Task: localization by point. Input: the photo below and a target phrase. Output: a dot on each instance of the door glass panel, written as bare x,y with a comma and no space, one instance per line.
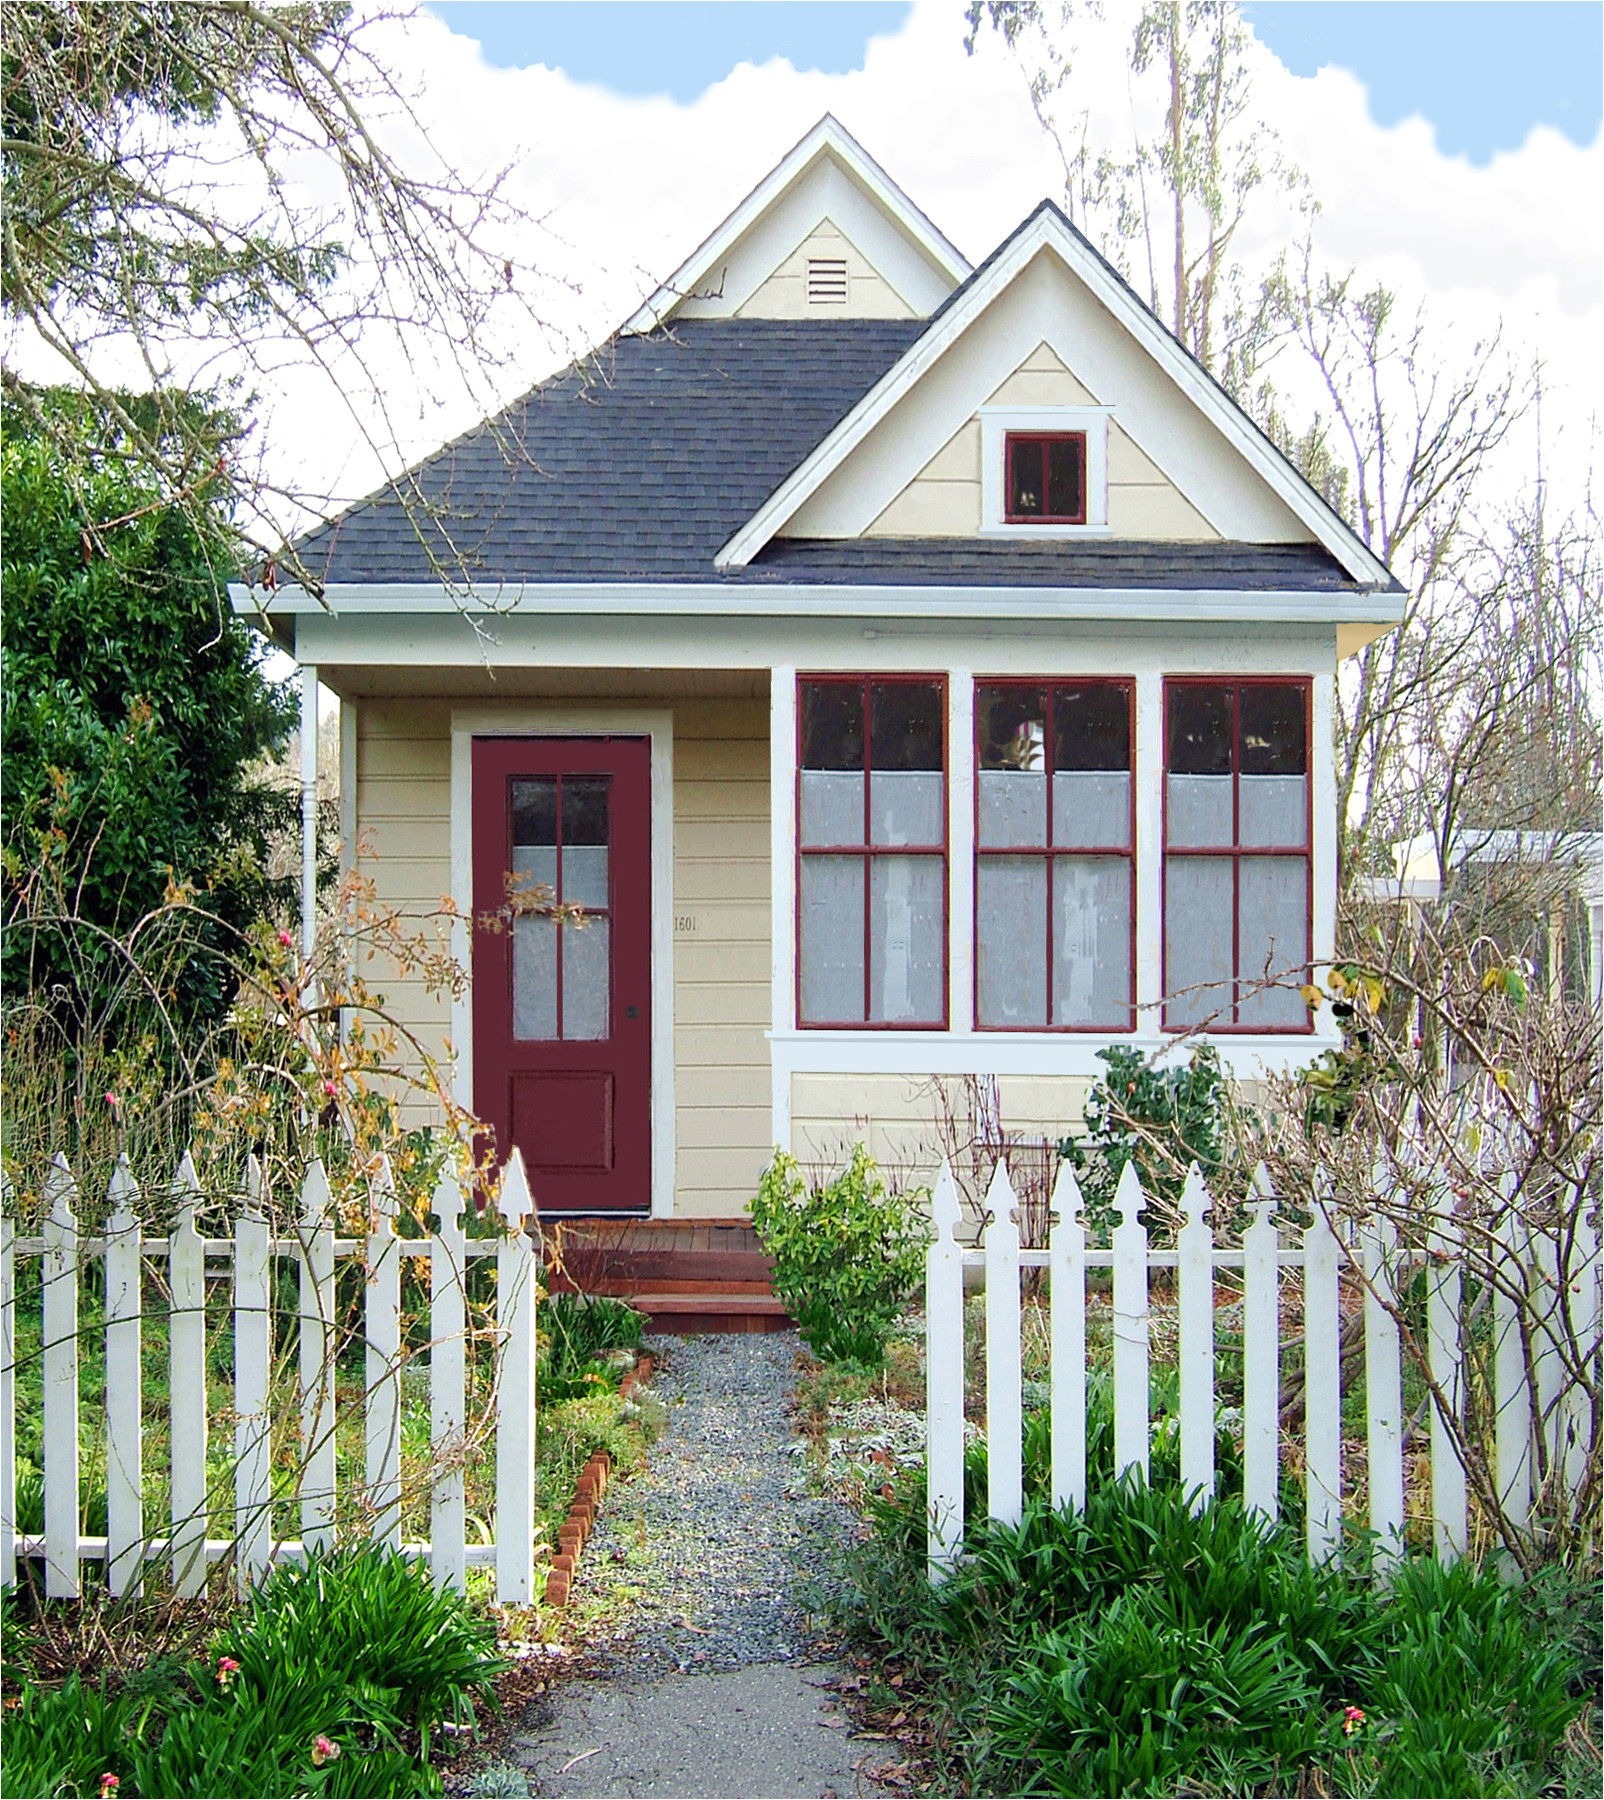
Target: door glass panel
534,978
1011,940
534,836
907,929
1274,939
585,840
535,865
832,940
1092,941
1197,939
587,979
1010,731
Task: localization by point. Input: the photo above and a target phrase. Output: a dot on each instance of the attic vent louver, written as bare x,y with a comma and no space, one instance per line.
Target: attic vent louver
827,281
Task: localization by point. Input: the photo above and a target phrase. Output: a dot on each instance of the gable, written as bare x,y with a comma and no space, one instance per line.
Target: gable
830,193
1045,341
826,277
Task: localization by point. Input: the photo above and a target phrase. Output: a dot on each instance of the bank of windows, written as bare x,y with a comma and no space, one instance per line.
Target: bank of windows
1054,840
1236,854
1054,875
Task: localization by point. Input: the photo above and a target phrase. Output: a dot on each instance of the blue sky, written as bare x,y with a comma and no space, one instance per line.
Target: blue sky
1482,72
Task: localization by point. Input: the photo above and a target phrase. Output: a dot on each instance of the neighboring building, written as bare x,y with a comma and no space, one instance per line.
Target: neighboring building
915,669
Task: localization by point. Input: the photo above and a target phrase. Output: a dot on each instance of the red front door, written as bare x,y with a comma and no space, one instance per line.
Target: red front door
562,1024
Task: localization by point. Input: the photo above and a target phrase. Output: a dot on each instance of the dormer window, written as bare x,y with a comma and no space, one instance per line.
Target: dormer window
1045,483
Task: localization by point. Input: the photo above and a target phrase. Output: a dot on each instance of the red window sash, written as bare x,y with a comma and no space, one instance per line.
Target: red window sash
1017,442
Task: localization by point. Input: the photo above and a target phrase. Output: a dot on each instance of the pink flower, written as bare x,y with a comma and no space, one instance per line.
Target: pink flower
109,1785
330,1087
285,939
324,1750
113,1099
1353,1719
227,1669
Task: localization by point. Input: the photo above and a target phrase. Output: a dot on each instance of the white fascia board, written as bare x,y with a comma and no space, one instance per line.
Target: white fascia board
828,134
1047,232
822,600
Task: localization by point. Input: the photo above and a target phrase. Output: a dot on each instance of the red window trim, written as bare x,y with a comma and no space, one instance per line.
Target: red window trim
1236,850
1050,850
1041,439
867,851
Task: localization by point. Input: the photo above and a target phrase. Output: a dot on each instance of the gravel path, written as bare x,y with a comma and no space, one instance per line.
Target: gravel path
702,1555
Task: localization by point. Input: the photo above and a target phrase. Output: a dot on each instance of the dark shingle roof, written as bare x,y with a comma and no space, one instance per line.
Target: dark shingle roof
1111,563
636,466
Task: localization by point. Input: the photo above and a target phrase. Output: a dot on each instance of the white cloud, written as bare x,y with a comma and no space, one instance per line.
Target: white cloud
628,186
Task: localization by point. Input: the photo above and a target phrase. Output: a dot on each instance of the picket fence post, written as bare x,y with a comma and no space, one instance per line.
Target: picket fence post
1066,1256
944,1369
253,1419
382,1329
59,1357
1130,1327
1444,1292
317,1349
125,1469
186,1349
1194,1305
1581,1300
1261,1350
1005,1491
448,1368
1383,1389
1322,1387
8,1411
515,1422
1512,1400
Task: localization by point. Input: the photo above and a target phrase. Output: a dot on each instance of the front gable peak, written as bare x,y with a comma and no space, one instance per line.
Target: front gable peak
827,234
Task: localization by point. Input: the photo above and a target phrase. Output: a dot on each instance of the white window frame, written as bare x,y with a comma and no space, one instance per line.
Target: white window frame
995,424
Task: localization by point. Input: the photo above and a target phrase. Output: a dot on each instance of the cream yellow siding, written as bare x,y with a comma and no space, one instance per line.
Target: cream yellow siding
944,498
784,294
721,914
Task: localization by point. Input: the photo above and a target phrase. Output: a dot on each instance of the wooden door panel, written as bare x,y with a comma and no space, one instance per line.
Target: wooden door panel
562,1002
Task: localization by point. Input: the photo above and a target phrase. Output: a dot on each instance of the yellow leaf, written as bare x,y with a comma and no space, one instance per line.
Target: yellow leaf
1312,996
1501,1076
1491,979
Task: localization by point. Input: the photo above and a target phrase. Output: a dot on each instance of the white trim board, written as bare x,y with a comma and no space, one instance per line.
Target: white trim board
829,138
1047,232
534,719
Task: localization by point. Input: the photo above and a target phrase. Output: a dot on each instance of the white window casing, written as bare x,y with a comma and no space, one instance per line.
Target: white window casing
995,424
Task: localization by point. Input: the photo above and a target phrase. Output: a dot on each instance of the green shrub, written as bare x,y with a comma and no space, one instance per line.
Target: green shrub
62,1740
847,1255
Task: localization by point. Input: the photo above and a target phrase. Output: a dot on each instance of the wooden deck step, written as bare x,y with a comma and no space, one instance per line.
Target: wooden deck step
714,1312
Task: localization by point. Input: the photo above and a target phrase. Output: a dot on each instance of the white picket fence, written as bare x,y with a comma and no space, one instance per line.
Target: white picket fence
129,1545
1562,1412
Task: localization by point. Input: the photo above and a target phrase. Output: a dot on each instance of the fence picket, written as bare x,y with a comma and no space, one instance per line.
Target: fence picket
1130,1327
1005,1490
8,1410
186,1347
125,1472
382,1330
253,1493
515,1422
1444,1293
317,1349
944,1365
1066,1256
1322,1388
448,1371
1512,1407
1194,1306
1581,1300
1261,1350
59,1357
1546,1309
1383,1390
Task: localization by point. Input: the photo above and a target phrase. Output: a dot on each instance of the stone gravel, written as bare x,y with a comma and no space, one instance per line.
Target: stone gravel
704,1561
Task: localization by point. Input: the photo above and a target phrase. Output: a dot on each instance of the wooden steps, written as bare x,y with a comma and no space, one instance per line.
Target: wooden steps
689,1275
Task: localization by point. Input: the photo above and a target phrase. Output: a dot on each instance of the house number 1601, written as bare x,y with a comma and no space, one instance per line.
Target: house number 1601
684,922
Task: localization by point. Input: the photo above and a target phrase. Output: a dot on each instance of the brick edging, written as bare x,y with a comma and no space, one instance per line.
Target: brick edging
593,1482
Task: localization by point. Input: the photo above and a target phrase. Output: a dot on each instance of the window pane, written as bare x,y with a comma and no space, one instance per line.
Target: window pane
1199,810
1024,476
587,979
1275,809
1199,729
1010,734
534,978
907,932
535,864
1197,939
1092,726
534,810
1091,809
1066,469
1092,941
832,940
831,734
1274,938
905,807
832,806
906,725
1274,729
1011,940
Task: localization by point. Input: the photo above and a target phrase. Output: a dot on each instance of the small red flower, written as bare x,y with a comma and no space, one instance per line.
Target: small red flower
285,939
227,1669
109,1785
113,1099
1353,1719
330,1087
324,1750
